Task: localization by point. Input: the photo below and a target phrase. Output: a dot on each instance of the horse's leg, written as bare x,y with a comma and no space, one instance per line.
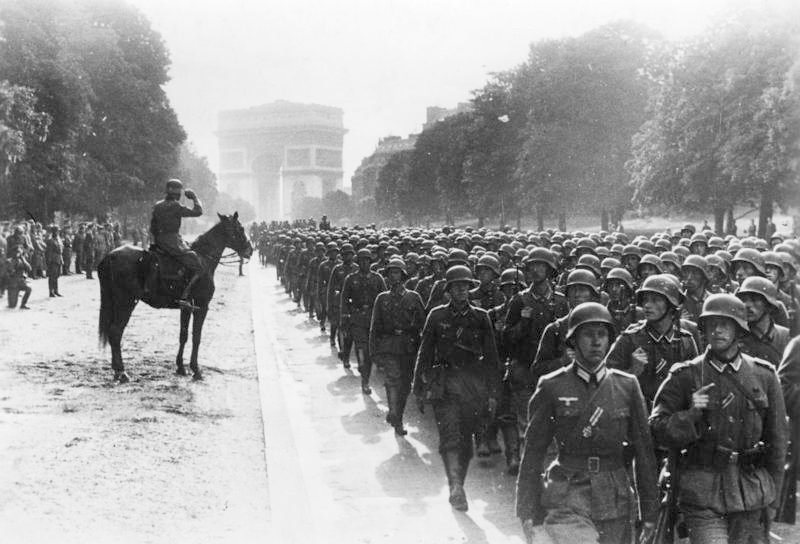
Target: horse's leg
197,330
123,313
186,314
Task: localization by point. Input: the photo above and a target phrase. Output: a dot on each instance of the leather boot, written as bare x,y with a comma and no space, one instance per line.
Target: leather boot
452,466
396,405
483,445
491,438
390,401
400,408
465,455
511,440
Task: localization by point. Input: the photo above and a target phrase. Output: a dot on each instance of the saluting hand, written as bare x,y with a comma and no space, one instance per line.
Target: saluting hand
190,194
700,398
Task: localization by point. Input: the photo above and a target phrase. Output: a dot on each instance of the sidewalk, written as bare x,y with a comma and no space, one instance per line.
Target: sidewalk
337,471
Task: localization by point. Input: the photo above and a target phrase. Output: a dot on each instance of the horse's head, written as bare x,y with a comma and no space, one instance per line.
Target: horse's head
235,238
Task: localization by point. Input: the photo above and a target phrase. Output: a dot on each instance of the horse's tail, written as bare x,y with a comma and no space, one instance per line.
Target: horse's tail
106,299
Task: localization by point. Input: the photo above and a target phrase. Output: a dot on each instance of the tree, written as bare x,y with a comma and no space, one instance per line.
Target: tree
336,205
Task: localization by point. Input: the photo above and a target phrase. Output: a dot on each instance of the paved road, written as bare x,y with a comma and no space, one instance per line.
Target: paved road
337,471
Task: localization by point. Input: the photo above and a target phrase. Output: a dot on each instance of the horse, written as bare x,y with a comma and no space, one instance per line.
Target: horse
126,276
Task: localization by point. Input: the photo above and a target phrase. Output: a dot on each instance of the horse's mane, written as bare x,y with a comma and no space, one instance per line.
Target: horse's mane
203,239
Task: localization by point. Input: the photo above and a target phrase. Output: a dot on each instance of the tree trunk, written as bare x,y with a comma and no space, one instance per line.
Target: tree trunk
603,219
731,226
719,220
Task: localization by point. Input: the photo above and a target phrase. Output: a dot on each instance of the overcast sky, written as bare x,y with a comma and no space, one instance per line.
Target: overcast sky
382,61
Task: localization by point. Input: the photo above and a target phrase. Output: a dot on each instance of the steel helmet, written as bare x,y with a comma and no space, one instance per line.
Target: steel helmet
788,261
487,261
652,260
542,255
681,251
457,256
424,259
697,261
751,256
591,263
602,252
622,275
458,273
347,248
698,238
439,256
647,247
610,262
665,285
759,286
331,247
724,305
397,262
617,249
761,245
715,261
582,277
715,242
521,254
364,253
663,244
412,257
590,312
508,249
773,258
783,248
586,244
512,276
670,257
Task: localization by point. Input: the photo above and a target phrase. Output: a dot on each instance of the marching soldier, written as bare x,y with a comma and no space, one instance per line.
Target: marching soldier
622,303
457,369
765,339
312,277
649,348
585,495
438,264
359,291
397,319
334,296
724,412
695,280
323,273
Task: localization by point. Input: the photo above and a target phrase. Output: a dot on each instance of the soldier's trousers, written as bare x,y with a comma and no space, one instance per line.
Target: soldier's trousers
53,272
709,527
67,257
322,310
360,339
78,262
566,526
462,410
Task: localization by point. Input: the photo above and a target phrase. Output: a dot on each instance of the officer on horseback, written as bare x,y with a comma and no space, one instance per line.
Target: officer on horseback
165,226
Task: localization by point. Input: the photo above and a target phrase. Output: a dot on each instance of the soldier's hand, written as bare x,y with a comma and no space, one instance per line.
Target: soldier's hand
190,194
526,312
421,405
700,398
648,527
640,355
529,529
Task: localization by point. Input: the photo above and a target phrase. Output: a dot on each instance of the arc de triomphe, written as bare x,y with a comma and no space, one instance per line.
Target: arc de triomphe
268,153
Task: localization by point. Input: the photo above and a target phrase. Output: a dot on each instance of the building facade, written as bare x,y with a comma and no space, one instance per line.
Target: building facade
275,154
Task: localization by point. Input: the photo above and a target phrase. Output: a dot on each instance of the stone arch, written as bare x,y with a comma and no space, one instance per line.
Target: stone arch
266,169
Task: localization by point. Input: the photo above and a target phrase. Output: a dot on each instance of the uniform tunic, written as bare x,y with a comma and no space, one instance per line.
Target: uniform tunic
462,342
587,487
397,320
768,346
334,296
358,297
713,483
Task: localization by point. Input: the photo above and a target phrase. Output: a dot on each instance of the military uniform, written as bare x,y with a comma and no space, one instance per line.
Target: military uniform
487,296
732,467
438,295
66,253
768,346
586,494
77,249
425,285
624,315
165,226
334,296
693,306
323,277
311,286
88,252
358,297
55,262
457,365
398,316
678,344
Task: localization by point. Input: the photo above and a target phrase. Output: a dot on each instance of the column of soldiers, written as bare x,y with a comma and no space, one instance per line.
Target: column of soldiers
29,251
613,361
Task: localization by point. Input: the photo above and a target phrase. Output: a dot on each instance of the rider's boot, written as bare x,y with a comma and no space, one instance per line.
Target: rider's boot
184,301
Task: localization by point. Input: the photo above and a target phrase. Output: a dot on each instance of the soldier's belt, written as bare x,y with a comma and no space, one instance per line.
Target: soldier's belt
721,457
592,464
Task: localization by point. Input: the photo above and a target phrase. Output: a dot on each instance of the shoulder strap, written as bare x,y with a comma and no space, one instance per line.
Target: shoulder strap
738,385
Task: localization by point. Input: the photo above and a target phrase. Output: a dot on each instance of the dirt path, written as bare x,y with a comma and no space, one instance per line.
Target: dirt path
162,459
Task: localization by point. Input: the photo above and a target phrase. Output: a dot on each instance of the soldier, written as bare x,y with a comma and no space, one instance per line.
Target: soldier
695,280
487,295
724,412
165,226
77,248
553,352
312,278
439,294
88,250
54,261
529,313
37,256
586,494
334,296
323,277
66,250
359,291
622,303
18,271
397,319
649,348
438,265
765,340
457,369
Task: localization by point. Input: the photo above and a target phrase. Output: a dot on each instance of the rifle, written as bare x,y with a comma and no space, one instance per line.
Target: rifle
664,532
787,507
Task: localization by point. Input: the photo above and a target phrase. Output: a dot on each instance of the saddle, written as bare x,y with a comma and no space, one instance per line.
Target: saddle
163,277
